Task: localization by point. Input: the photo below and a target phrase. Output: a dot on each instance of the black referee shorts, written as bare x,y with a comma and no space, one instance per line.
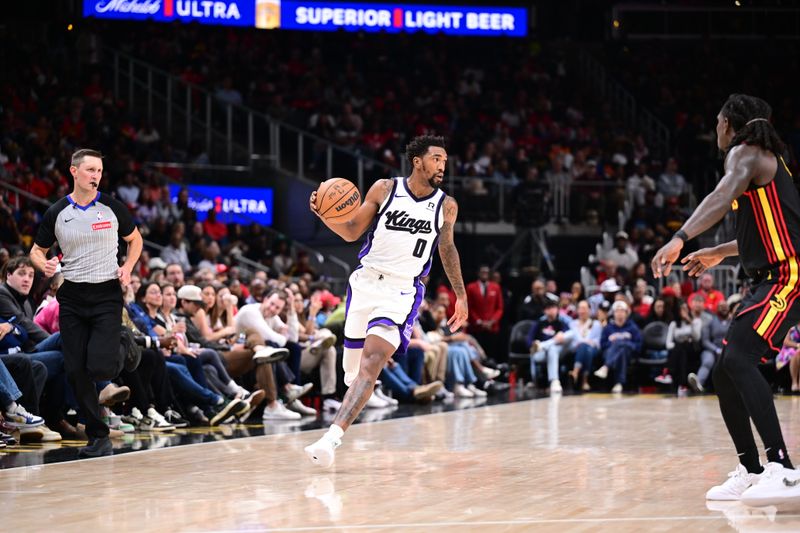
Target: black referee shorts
90,320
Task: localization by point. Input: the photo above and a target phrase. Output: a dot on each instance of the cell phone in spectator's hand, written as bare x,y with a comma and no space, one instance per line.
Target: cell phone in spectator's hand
446,330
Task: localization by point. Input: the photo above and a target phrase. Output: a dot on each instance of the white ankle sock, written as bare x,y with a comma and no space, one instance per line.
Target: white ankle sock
335,431
11,408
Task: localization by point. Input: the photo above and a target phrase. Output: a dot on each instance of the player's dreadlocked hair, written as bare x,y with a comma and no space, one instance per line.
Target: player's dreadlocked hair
418,146
749,117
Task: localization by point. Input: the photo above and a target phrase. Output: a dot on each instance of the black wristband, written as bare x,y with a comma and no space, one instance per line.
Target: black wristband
681,235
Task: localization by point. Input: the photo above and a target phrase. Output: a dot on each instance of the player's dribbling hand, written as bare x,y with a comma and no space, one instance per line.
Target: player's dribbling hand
312,203
459,316
50,267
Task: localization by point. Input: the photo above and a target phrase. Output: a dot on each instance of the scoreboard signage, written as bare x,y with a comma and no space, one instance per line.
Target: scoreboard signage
322,16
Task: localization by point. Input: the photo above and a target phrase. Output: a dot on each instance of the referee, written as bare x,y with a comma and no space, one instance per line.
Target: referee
87,225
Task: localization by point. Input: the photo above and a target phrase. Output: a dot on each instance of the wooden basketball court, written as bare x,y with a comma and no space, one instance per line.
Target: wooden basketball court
578,463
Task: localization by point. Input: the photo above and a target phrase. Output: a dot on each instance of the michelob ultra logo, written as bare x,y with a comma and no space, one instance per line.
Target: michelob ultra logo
243,205
227,12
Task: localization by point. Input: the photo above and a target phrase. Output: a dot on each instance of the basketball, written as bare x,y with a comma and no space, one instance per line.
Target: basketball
337,199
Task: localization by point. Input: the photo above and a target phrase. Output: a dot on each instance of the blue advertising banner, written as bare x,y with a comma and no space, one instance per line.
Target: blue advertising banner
322,16
396,18
222,12
244,205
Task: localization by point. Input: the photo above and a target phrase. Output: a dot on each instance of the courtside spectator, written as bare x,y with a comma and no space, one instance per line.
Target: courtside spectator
620,342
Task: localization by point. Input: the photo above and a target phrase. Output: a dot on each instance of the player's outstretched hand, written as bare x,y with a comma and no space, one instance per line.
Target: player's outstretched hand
312,203
665,257
696,263
459,317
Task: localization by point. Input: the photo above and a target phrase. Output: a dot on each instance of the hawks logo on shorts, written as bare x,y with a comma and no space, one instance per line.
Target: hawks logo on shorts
778,303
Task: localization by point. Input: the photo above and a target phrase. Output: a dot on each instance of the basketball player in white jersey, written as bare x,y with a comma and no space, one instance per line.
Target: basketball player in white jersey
408,218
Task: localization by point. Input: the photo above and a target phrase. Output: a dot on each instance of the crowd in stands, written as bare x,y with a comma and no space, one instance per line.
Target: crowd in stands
524,127
627,337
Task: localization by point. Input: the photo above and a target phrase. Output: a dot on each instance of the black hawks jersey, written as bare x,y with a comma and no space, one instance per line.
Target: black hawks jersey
768,222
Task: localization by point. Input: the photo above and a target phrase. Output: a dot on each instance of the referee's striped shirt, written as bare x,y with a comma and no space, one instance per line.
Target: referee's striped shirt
88,236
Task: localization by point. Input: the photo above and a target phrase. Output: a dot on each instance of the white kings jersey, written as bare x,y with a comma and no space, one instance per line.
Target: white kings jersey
405,233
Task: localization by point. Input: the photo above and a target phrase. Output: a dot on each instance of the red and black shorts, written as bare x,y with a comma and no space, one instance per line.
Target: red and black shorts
772,307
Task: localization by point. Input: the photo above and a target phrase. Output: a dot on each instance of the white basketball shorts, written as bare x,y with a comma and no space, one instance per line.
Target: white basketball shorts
377,303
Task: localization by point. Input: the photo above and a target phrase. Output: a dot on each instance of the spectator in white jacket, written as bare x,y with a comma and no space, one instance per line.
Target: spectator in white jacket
622,253
264,319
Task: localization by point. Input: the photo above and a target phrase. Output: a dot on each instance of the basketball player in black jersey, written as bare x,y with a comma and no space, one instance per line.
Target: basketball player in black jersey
759,188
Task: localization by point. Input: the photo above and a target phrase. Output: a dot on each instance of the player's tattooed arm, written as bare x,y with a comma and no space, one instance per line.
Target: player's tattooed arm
447,248
452,263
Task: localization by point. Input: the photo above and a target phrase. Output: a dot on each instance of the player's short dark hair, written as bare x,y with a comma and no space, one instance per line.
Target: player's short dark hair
15,263
419,145
742,110
78,155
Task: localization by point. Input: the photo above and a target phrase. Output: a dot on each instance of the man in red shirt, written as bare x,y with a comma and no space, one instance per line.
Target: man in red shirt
709,293
215,229
485,303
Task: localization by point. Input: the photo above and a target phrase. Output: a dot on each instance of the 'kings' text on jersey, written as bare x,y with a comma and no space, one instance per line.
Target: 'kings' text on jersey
405,233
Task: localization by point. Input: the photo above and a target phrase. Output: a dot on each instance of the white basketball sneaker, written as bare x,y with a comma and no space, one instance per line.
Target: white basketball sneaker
776,485
738,481
323,452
